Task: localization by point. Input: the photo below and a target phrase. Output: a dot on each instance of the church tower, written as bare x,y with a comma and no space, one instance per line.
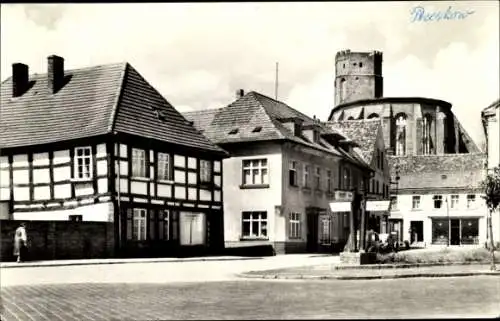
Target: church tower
358,75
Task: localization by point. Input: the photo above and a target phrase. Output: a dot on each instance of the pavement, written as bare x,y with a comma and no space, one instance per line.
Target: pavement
221,268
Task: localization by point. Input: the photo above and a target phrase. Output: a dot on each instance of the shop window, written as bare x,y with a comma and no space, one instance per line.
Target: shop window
469,231
440,231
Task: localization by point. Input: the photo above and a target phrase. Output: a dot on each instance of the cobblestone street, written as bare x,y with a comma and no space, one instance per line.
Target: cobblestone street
442,297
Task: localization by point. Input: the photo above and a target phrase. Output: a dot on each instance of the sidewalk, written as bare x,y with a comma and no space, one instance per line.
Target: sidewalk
122,261
335,272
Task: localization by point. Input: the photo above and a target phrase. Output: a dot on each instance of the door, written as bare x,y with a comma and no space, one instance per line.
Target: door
193,228
312,232
417,231
454,232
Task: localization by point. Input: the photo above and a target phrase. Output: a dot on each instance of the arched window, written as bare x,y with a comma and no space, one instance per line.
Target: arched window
426,134
343,89
373,115
400,134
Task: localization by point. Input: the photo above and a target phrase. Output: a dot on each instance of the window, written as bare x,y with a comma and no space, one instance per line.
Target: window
438,201
317,178
255,172
164,171
416,202
306,175
426,134
440,231
138,162
205,171
360,64
454,201
377,190
292,173
139,226
470,231
378,159
343,89
233,131
295,226
83,162
347,179
471,200
394,203
400,134
329,186
254,225
382,160
372,116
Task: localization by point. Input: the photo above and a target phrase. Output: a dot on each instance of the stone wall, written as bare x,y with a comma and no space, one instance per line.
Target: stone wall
51,240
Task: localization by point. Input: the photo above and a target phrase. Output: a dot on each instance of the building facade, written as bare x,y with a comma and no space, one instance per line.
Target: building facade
431,156
284,171
101,144
491,120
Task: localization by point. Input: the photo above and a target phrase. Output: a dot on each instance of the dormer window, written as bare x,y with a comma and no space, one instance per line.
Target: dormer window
161,114
233,131
257,129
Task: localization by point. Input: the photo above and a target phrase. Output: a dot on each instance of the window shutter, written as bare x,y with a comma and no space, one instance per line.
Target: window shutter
129,223
152,225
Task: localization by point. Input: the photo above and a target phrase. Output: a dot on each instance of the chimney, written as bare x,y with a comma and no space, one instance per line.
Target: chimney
20,79
55,73
240,93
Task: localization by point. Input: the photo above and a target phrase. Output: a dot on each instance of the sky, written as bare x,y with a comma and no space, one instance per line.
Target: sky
198,54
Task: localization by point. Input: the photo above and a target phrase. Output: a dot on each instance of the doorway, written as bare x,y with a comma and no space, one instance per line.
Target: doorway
417,231
312,232
455,232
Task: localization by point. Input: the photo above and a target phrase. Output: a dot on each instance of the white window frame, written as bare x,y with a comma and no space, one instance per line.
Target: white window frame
471,201
205,171
295,226
83,174
292,167
139,163
306,175
164,167
261,168
454,201
415,200
140,225
260,220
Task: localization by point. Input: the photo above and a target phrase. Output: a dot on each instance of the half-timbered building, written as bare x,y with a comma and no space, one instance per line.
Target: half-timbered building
101,144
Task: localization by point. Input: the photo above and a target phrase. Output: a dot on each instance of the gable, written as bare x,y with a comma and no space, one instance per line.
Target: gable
144,112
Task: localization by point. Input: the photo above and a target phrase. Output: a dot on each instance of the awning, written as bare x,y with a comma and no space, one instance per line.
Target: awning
377,206
340,207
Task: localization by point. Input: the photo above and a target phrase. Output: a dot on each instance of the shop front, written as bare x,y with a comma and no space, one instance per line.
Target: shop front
455,231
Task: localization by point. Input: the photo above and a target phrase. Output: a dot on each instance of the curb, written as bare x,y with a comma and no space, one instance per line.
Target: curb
13,265
370,277
404,266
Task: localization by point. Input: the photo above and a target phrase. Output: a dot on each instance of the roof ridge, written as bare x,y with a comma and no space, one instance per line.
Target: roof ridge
281,102
114,111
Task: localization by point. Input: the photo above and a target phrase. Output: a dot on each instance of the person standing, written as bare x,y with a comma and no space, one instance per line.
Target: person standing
20,242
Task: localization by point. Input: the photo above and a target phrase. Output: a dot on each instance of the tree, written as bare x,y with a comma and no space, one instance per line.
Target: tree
491,188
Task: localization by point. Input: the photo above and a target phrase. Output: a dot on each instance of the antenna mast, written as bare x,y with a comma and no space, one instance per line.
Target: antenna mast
276,84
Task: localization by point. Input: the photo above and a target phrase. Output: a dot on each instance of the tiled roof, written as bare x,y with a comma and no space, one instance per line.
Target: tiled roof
363,132
425,171
238,122
95,101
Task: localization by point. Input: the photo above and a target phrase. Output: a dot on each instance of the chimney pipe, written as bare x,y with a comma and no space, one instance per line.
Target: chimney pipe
55,73
240,93
20,79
